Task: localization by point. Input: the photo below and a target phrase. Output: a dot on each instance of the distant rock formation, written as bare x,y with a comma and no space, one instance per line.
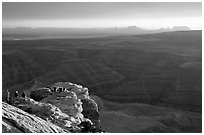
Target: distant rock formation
180,28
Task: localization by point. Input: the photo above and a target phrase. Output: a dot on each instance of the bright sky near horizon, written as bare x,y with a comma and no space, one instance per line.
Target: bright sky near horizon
102,14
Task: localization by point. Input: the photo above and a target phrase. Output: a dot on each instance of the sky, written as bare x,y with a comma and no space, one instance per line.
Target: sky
102,14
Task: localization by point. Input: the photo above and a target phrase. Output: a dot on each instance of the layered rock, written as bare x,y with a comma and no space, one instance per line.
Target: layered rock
149,90
47,112
16,120
72,98
7,127
62,107
67,102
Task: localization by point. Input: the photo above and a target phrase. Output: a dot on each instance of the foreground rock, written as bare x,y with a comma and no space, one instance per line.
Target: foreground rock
71,99
61,105
47,112
15,121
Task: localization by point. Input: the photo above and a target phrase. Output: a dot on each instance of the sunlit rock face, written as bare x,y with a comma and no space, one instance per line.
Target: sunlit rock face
46,111
71,99
67,102
15,120
74,101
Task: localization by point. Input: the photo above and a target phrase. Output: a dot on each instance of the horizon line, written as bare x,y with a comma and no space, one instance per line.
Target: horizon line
143,28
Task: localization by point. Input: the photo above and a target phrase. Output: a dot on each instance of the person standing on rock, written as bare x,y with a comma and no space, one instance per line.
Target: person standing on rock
24,94
60,89
54,89
63,89
8,97
57,89
16,94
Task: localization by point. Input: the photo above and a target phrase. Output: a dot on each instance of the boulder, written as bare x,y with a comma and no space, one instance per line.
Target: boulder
89,104
90,110
40,93
16,120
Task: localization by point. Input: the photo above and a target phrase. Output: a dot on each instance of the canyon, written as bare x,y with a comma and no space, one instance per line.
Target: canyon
156,71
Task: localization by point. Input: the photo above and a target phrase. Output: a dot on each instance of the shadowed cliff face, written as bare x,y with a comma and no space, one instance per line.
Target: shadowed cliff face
159,69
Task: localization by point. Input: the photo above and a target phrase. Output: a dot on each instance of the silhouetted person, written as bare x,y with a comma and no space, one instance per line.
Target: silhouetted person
57,89
63,89
54,89
24,95
60,89
16,94
8,97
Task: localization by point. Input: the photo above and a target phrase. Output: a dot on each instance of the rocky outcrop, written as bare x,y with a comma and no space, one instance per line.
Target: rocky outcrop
16,120
62,109
61,104
40,93
47,112
71,99
75,101
67,102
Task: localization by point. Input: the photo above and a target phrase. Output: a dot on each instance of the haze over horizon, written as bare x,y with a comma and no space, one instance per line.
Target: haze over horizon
149,15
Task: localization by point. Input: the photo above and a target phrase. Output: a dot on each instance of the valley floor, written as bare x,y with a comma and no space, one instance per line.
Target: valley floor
144,118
